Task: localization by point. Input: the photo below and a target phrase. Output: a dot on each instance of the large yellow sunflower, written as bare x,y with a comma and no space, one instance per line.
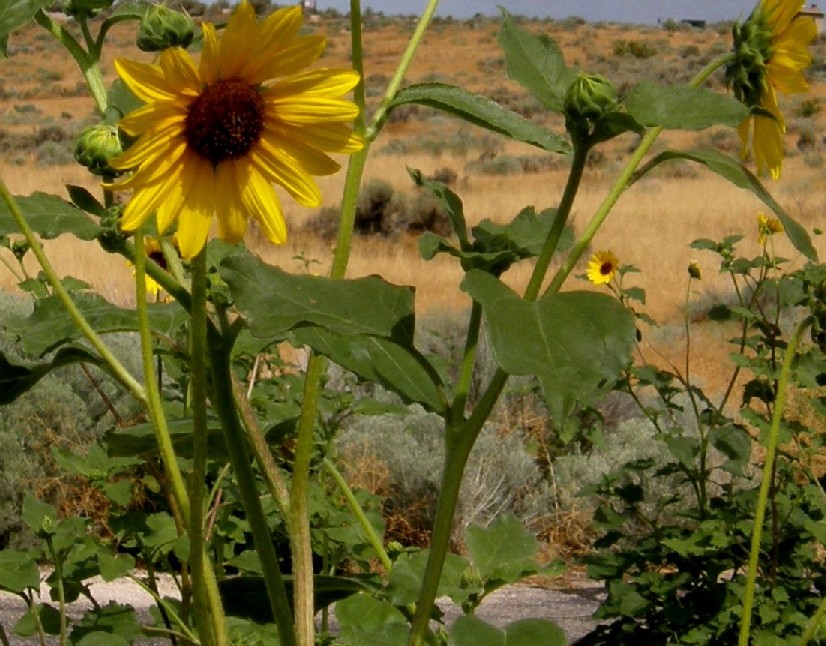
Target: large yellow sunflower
213,139
771,50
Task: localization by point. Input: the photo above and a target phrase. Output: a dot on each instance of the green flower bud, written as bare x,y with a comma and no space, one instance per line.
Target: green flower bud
87,8
96,146
590,97
162,27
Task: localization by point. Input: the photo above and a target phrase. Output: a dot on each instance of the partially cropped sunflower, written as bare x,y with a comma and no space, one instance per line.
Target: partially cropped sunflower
767,226
602,267
214,139
771,50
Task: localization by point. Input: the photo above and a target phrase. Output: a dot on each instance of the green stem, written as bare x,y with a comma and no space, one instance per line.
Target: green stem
224,404
766,481
468,360
153,396
89,63
116,367
61,590
209,610
299,517
366,526
459,440
623,181
814,624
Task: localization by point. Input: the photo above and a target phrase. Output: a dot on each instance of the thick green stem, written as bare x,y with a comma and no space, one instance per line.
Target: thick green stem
465,379
115,367
224,404
61,590
209,610
767,479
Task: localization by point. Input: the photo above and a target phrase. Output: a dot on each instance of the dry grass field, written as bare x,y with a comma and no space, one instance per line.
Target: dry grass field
650,228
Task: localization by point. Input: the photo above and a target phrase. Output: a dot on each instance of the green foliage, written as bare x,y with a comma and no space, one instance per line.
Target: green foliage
635,48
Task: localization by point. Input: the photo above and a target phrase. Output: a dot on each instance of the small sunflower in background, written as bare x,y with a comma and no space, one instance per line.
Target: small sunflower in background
213,140
767,226
602,267
771,50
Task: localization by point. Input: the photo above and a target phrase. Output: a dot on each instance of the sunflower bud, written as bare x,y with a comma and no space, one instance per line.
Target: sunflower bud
96,146
590,97
162,27
87,8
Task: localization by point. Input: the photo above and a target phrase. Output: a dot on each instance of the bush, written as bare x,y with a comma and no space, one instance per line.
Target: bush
635,48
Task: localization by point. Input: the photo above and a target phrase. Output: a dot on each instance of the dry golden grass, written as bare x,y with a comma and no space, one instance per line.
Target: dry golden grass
651,226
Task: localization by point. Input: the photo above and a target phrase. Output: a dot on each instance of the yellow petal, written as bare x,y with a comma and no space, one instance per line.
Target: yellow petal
286,172
158,116
324,82
195,216
153,169
768,146
152,144
276,35
309,158
147,82
237,41
180,71
261,202
208,68
329,137
231,221
286,60
307,109
146,199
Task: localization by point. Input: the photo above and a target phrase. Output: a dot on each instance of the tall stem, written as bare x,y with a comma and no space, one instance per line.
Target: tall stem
767,479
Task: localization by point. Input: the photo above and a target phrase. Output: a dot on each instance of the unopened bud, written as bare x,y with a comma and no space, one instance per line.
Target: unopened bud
95,146
87,8
590,97
163,27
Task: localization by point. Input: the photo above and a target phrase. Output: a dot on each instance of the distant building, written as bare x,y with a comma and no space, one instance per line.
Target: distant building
699,24
308,7
813,12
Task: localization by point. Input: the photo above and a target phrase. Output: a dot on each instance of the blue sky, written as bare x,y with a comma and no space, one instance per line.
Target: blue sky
634,11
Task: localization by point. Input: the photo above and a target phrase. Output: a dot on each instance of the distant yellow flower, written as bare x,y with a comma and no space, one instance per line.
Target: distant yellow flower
214,139
694,270
767,226
602,267
771,51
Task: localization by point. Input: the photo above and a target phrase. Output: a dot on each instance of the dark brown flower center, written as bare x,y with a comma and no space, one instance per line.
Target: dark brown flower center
158,258
225,121
606,268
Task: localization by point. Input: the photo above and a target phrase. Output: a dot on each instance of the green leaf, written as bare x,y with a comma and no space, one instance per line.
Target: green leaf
684,449
47,615
110,625
365,620
534,632
275,302
450,201
18,571
536,63
576,343
114,566
682,107
733,442
468,630
50,326
84,200
17,378
406,578
49,216
139,440
740,176
481,111
96,464
396,367
504,551
15,14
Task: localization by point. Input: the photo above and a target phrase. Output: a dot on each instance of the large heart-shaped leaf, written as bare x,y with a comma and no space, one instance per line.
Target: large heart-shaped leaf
472,631
575,343
18,377
49,216
275,302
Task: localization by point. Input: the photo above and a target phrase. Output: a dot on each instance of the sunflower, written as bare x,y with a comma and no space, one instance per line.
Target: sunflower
212,140
771,50
602,267
766,227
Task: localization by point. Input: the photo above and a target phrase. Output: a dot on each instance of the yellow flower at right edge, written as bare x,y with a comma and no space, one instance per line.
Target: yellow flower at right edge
602,267
771,50
766,227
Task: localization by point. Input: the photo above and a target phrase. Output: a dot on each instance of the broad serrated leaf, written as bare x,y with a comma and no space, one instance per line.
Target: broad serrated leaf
450,201
18,571
536,63
110,625
733,171
13,15
366,620
50,326
469,630
49,216
481,111
682,107
534,632
17,378
275,302
406,578
733,442
140,440
575,343
40,615
398,368
504,552
114,566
